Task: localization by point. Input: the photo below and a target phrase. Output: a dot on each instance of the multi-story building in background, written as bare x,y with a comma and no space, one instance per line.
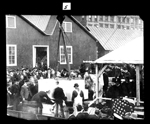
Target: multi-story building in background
119,22
112,32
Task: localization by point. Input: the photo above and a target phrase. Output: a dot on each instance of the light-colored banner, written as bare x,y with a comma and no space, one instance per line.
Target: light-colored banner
67,85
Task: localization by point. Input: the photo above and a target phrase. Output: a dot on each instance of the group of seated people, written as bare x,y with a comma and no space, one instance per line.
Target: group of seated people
86,112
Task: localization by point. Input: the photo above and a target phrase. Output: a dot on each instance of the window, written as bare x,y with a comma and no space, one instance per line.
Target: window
106,18
106,25
67,26
139,21
132,20
11,55
100,18
90,25
90,18
132,27
112,18
127,20
119,19
101,25
123,27
127,27
136,20
95,18
119,26
111,25
123,19
62,55
10,22
96,25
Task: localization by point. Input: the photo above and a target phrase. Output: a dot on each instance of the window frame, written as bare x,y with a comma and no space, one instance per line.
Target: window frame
127,20
106,26
119,19
7,25
60,54
90,18
15,56
66,26
107,17
112,26
101,18
112,17
101,25
95,18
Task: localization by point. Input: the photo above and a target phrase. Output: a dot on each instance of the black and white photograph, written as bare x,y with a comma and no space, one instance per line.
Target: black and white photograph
74,67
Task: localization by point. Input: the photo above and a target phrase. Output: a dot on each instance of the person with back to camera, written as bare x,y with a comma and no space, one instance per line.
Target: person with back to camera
40,97
79,114
71,115
95,115
59,96
82,112
77,97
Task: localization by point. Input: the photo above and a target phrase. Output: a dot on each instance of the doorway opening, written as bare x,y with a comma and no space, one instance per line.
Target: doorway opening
40,54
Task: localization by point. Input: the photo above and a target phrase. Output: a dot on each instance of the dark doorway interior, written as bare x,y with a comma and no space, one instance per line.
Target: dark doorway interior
41,55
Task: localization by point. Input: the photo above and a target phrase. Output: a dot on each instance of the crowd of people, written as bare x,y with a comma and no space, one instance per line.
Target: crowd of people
122,84
22,85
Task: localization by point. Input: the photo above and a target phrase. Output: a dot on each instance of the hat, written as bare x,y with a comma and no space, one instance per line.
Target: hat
76,85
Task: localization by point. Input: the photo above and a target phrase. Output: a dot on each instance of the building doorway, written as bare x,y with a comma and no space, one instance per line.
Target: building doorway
40,54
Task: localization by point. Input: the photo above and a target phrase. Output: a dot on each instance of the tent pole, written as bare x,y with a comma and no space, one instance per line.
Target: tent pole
138,84
97,82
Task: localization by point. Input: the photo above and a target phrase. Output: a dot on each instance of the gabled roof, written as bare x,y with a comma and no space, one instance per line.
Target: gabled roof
41,22
119,38
84,28
47,23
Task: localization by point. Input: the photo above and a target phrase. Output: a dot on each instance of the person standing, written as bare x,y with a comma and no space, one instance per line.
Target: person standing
77,97
101,84
25,91
59,96
14,89
106,82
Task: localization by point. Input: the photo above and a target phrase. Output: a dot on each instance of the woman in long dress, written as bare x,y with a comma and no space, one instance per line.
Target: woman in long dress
77,97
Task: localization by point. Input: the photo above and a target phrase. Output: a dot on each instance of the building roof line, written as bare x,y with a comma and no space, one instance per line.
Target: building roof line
54,27
83,27
43,31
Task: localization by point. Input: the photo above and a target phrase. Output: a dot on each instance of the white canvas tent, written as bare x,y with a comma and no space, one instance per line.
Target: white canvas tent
131,53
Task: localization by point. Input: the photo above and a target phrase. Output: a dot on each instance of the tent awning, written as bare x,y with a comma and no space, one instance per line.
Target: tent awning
131,53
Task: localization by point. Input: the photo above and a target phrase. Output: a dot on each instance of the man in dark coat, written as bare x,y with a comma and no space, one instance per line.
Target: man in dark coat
25,91
41,97
14,89
59,96
106,81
